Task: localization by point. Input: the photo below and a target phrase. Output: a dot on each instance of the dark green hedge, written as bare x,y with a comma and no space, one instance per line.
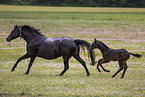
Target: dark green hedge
87,3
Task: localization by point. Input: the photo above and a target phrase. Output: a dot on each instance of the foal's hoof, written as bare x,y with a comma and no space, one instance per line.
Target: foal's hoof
107,70
99,70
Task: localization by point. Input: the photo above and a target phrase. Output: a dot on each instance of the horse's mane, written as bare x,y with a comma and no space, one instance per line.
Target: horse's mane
103,44
33,29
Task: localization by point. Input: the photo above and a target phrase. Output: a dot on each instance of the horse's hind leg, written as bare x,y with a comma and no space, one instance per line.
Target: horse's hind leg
83,64
125,68
120,68
66,64
100,62
21,58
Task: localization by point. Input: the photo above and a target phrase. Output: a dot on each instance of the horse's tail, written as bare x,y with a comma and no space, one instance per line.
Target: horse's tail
136,55
84,44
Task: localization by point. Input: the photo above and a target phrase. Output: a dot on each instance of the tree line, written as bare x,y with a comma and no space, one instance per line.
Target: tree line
80,3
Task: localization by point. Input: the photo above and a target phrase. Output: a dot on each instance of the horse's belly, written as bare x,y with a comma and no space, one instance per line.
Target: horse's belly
48,55
110,56
48,52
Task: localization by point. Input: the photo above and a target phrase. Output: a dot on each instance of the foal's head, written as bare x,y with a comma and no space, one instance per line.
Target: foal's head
94,44
98,44
15,33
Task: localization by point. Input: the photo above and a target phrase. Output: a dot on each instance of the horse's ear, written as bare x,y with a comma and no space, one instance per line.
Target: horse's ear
15,26
95,40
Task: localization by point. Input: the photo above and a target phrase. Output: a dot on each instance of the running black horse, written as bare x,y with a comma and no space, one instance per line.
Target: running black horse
49,48
120,55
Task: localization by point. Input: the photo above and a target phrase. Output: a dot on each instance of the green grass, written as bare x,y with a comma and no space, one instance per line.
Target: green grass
75,22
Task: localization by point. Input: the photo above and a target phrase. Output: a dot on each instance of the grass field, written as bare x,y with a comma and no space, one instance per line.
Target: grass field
76,22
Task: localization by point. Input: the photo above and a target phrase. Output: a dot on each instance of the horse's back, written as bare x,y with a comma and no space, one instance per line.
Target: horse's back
67,45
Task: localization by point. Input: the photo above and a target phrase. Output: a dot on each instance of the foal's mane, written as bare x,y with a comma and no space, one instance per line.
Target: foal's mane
103,44
33,29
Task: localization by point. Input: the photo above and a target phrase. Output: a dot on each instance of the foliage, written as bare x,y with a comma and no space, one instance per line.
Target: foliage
89,3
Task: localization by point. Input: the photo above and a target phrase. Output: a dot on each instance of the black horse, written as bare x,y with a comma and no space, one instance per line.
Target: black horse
49,48
120,55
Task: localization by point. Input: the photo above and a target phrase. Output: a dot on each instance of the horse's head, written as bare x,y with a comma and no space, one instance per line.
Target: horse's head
94,44
15,33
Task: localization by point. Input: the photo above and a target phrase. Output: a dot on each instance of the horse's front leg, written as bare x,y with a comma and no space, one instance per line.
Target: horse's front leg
30,64
21,58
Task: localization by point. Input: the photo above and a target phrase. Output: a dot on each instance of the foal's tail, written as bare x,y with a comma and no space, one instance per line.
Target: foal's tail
83,44
136,55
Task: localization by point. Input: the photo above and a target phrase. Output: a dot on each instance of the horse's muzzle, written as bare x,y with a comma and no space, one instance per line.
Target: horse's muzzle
8,39
90,48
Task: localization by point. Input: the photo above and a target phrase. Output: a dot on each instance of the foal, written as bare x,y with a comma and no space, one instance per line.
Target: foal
120,55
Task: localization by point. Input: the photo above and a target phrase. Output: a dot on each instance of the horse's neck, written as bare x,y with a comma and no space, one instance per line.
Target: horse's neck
29,36
103,47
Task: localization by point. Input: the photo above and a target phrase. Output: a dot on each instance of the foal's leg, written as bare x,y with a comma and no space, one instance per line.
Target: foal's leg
120,69
98,65
100,62
66,64
30,64
125,68
21,58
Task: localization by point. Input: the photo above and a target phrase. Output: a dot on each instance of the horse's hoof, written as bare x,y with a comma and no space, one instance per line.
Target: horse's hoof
121,77
88,75
26,73
13,69
93,63
113,76
59,75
